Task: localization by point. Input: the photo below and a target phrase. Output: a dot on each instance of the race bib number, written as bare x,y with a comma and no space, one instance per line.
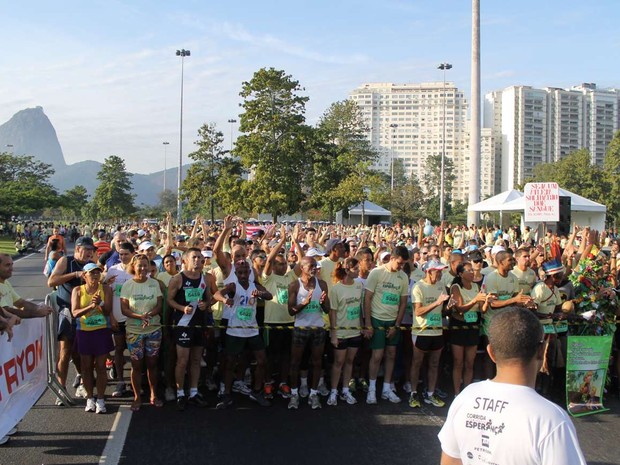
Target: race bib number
409,308
193,294
471,317
95,321
561,327
244,313
390,299
548,329
503,297
282,296
312,307
117,290
353,313
434,319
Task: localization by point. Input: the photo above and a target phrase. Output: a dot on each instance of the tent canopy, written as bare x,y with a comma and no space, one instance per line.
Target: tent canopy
498,202
369,209
577,202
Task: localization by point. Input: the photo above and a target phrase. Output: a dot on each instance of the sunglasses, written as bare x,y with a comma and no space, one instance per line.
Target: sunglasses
477,261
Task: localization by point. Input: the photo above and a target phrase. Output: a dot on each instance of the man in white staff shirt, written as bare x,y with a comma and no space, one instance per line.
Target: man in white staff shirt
13,307
504,420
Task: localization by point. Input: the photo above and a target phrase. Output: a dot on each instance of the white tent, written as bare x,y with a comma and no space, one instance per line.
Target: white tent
584,212
371,213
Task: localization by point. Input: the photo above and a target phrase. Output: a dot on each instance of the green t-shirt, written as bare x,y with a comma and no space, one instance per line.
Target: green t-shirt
504,288
276,309
142,298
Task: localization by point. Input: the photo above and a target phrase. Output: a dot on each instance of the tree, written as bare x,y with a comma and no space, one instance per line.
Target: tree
202,184
73,200
432,185
273,141
611,167
408,198
113,198
24,185
167,202
343,157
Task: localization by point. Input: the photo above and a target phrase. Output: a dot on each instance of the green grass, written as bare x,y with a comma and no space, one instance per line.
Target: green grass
7,245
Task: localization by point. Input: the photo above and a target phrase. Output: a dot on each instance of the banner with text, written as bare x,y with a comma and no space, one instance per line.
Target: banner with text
23,371
586,371
542,202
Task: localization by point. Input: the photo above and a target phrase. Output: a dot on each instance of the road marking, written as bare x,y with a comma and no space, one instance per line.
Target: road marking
111,454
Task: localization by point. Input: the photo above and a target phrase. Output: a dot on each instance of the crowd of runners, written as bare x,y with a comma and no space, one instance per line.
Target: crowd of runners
330,313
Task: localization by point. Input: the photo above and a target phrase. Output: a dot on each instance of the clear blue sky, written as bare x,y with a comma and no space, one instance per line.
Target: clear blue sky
106,73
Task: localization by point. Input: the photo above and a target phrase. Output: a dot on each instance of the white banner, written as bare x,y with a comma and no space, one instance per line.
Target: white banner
23,371
542,202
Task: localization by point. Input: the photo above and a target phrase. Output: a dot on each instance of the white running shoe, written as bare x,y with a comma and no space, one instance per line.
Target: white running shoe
348,397
371,397
304,391
332,399
100,406
91,406
391,396
81,392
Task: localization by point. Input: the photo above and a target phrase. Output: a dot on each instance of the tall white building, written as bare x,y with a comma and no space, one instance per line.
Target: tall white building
407,122
532,126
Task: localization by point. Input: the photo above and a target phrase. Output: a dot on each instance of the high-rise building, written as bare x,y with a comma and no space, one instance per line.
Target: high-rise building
532,126
406,122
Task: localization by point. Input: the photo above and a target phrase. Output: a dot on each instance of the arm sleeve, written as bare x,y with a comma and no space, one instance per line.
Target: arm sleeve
561,446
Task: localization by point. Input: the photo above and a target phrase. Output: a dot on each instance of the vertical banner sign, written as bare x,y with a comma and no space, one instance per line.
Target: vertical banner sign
586,371
542,202
23,371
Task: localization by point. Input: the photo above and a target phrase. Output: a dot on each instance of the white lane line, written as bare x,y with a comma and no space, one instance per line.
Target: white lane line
111,454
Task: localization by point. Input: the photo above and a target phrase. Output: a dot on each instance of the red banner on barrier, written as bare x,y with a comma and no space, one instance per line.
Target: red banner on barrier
23,371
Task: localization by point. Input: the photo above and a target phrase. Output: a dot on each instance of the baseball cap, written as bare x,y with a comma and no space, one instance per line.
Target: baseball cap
145,245
90,267
84,241
207,253
433,265
141,233
314,252
383,255
497,248
330,244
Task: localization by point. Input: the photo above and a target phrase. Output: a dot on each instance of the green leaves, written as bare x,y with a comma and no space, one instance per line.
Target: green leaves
113,198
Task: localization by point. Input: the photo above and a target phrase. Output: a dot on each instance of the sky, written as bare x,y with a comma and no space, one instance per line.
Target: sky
107,76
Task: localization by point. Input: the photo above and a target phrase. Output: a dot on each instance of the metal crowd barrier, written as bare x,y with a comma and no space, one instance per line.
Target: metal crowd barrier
51,330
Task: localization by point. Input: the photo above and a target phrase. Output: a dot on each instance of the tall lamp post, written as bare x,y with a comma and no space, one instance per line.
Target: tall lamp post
393,126
165,144
442,193
231,121
181,53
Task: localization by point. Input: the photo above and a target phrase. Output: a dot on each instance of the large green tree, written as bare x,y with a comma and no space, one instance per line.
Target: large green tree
113,198
407,197
342,159
73,200
24,185
432,184
204,185
272,146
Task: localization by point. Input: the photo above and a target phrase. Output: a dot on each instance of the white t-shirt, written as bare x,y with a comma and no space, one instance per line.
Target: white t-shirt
121,277
498,423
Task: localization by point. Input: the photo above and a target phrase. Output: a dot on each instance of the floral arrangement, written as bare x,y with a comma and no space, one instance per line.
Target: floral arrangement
595,299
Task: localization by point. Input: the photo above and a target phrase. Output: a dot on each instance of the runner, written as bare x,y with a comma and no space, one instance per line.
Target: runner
141,303
345,298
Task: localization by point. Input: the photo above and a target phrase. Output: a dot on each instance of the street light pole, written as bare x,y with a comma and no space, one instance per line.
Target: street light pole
231,121
181,53
393,126
166,144
442,193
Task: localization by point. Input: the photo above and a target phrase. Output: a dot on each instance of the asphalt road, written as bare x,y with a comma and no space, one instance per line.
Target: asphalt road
246,433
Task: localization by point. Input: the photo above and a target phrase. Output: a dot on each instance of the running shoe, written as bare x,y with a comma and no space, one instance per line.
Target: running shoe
241,388
293,403
371,398
100,406
434,401
58,402
91,406
169,394
332,399
414,402
221,392
225,402
407,387
314,401
77,381
322,388
304,391
260,399
198,400
352,386
284,391
363,384
390,395
181,403
268,391
348,398
81,392
120,390
441,394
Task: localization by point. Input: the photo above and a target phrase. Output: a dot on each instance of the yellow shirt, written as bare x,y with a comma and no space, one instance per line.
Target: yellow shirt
95,319
425,294
276,309
504,288
142,298
547,300
388,287
8,296
526,279
346,301
327,268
